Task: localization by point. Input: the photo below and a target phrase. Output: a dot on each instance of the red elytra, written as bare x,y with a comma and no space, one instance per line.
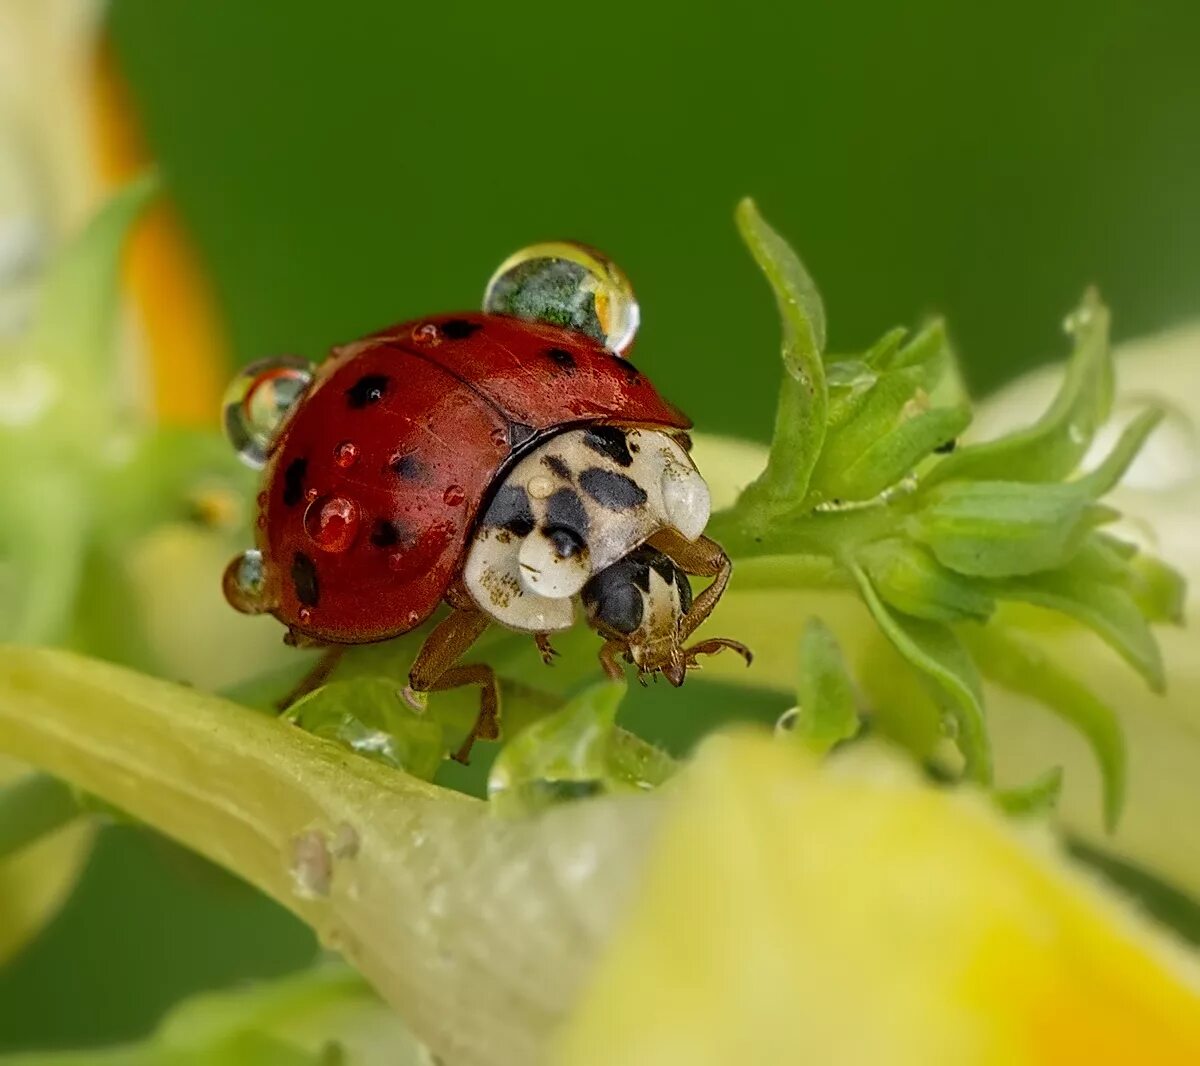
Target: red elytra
432,413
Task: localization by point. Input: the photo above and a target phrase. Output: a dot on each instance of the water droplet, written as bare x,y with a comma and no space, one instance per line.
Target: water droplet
787,721
454,495
567,284
245,583
500,436
311,865
426,334
539,487
304,616
311,494
259,400
346,454
332,523
345,842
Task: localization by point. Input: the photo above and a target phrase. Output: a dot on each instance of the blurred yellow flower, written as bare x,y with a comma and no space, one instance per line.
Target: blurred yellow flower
851,914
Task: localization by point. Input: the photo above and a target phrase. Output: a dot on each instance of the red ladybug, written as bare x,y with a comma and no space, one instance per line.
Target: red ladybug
507,463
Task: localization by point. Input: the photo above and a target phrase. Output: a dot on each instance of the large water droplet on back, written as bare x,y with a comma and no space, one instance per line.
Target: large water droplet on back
258,401
245,583
569,285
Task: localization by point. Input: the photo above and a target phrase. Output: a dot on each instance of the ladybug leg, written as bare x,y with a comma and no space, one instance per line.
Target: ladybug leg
434,671
609,651
542,640
703,558
316,677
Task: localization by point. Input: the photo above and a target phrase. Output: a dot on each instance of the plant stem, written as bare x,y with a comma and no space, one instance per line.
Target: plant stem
31,808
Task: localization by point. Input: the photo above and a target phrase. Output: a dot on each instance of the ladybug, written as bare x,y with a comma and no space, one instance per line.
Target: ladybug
511,463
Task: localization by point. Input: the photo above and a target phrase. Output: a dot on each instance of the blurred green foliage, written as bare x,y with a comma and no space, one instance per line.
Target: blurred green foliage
344,168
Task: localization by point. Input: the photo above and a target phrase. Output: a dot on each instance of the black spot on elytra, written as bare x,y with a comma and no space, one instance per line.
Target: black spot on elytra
610,442
387,534
562,359
409,467
565,510
510,510
519,433
946,447
304,578
458,329
367,390
293,481
557,466
631,372
613,491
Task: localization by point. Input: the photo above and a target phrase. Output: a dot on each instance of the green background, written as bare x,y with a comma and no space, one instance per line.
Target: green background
344,166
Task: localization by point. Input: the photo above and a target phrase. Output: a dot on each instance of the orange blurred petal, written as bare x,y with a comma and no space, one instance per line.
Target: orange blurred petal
186,349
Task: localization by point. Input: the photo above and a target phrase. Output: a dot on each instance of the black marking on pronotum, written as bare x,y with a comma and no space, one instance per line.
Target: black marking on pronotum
386,534
565,510
304,578
293,481
510,509
561,358
557,466
610,442
367,390
614,491
409,467
519,433
457,329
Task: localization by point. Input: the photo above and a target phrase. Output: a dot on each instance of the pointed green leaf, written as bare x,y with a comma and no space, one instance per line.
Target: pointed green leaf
1053,446
910,579
1035,799
933,650
826,708
1021,667
801,414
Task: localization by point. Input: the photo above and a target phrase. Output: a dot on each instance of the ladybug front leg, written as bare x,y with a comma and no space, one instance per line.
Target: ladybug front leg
315,677
434,671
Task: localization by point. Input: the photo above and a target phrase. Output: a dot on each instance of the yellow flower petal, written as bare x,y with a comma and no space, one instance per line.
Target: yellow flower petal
852,915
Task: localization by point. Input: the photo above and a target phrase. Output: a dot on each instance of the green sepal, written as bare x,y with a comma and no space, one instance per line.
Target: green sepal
801,414
909,579
827,711
933,649
1051,448
1019,666
1038,798
370,716
574,753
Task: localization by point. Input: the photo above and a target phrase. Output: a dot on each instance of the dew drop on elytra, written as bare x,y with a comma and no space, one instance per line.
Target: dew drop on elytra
332,523
569,285
346,454
245,583
258,401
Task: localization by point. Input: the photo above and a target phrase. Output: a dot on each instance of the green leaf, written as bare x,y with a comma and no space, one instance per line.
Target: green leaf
1159,590
1052,447
933,649
74,331
911,580
1003,528
1021,667
1108,610
370,716
826,709
1035,799
572,754
801,414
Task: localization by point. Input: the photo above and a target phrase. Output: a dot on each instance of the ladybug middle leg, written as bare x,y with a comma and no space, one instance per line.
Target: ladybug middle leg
702,557
434,671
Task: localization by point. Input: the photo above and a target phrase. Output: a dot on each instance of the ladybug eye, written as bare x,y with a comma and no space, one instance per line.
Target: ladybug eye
257,402
570,285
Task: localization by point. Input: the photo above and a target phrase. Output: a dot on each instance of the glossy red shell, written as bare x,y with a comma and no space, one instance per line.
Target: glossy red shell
393,450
